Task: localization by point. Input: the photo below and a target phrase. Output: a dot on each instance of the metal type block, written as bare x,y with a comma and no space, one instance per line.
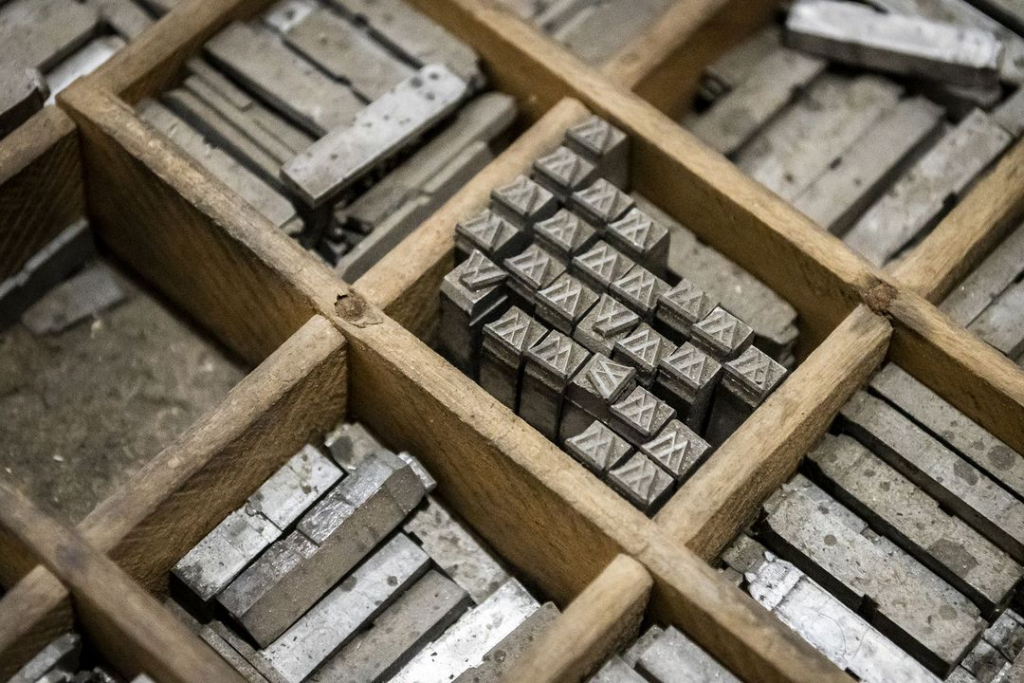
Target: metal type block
891,502
641,482
984,662
736,118
347,53
606,323
126,17
289,492
337,618
950,479
920,198
524,203
563,172
639,416
644,349
258,59
599,384
385,237
733,68
600,266
927,616
238,662
640,289
216,560
746,555
246,651
565,234
503,656
455,548
83,296
421,472
349,444
1010,114
674,658
1006,634
354,146
860,174
678,450
910,46
214,78
61,653
83,62
532,270
987,281
633,653
615,670
1002,323
832,628
587,34
598,448
686,380
284,15
682,307
564,302
603,145
39,34
491,234
22,93
722,335
469,296
950,426
601,204
799,145
550,364
418,616
504,350
464,645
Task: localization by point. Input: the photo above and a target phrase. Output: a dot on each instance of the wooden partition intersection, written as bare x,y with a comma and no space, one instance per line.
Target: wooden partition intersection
327,350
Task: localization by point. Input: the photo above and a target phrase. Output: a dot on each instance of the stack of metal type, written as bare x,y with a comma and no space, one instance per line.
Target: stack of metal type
344,567
662,656
561,309
47,44
61,662
593,30
345,122
990,301
897,549
872,119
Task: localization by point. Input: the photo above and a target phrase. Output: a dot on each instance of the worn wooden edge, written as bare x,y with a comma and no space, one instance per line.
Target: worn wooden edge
604,618
40,186
126,624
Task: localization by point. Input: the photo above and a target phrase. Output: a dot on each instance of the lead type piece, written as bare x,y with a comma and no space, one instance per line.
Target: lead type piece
504,353
602,203
644,349
678,450
644,239
604,145
641,482
598,448
550,364
471,295
524,203
564,303
600,266
686,380
563,172
591,393
722,335
532,270
639,416
608,321
747,382
492,235
682,307
639,289
565,234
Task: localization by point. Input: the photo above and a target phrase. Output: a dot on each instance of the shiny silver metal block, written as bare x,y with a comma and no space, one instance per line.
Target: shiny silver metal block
470,297
641,482
639,416
349,444
987,281
639,289
1002,323
678,450
564,302
524,203
565,234
598,448
604,145
674,658
686,380
608,321
643,239
61,654
563,172
601,204
491,234
747,382
644,349
615,670
550,364
682,307
532,270
504,655
592,392
504,351
289,492
600,266
722,335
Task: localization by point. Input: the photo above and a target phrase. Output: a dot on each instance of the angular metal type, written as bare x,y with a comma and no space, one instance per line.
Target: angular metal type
950,426
214,78
603,145
799,145
601,204
639,416
421,472
950,479
504,353
633,653
598,448
223,553
470,296
289,492
746,555
747,382
600,266
491,234
349,444
686,380
419,615
615,670
550,364
608,321
503,656
682,307
372,248
831,627
565,234
347,53
910,46
229,654
337,618
640,289
889,501
1002,323
1006,634
592,392
924,614
454,548
532,270
83,296
735,118
524,203
22,94
984,662
61,653
674,658
564,302
678,450
644,349
82,63
731,69
563,172
586,33
641,482
860,174
920,198
257,58
722,335
39,34
464,645
987,281
352,147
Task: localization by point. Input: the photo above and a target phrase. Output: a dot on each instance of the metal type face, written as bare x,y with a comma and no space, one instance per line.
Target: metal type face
753,376
563,172
514,333
557,356
598,448
683,306
601,265
531,270
722,335
678,450
639,289
601,203
642,237
645,349
689,371
608,321
604,145
478,272
565,234
564,303
641,415
491,234
524,202
641,482
292,489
